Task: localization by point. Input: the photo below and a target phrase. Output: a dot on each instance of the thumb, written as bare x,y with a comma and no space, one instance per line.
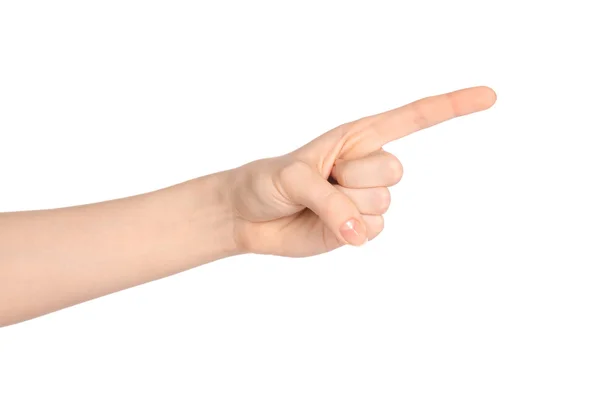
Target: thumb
307,187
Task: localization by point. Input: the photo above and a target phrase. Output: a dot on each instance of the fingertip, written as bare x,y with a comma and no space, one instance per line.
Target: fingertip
486,97
354,232
472,100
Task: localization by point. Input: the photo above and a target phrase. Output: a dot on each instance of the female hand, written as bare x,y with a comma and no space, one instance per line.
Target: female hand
286,205
282,206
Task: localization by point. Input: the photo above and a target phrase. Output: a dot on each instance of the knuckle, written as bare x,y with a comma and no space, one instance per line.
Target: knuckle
384,199
394,170
381,224
420,118
378,225
453,104
333,201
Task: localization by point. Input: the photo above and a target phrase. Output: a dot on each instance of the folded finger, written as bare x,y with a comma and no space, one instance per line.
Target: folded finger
372,201
379,169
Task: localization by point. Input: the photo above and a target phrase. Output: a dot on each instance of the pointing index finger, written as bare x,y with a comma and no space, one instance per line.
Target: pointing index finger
426,112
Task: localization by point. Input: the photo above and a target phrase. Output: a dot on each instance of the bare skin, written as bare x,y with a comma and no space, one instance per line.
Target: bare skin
285,206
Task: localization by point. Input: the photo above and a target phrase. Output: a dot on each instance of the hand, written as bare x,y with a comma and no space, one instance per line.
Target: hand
283,206
287,206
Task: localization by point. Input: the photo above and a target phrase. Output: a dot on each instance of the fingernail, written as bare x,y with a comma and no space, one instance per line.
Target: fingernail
354,232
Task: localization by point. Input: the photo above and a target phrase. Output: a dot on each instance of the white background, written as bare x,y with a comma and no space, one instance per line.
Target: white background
485,281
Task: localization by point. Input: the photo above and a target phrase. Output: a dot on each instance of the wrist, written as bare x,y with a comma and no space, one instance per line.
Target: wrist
213,219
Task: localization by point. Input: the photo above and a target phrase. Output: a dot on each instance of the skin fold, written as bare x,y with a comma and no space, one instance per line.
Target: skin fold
286,205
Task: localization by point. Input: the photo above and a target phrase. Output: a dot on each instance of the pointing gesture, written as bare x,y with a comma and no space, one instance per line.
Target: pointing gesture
287,205
331,192
369,134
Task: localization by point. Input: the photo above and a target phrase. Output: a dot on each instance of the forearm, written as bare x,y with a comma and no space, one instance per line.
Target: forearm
52,259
